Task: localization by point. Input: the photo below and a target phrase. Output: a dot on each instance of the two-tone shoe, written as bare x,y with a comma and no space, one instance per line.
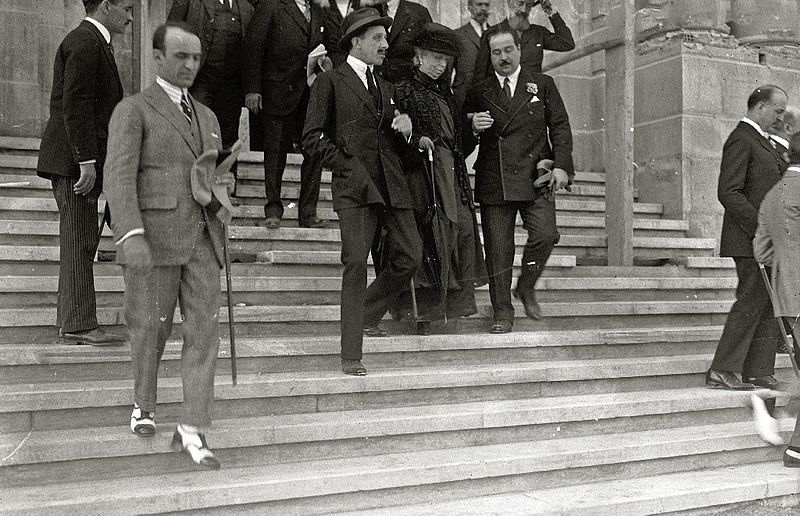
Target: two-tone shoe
143,423
194,445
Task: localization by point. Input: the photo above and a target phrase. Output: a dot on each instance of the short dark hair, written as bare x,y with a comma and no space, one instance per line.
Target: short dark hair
92,5
497,30
763,94
160,33
794,149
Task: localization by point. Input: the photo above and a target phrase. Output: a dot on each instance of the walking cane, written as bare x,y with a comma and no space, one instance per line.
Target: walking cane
105,220
228,282
787,340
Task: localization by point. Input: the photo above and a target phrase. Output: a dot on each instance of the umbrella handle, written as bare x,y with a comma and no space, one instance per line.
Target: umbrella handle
433,177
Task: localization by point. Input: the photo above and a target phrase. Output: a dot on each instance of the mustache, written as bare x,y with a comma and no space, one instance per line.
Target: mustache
505,62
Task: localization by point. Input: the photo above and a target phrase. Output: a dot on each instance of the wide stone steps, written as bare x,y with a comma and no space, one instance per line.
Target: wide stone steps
331,485
685,492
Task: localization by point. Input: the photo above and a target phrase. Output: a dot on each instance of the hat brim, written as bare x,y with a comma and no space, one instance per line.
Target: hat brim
441,49
344,42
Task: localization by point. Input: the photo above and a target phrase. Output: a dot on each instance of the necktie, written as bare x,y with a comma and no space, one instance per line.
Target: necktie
187,108
373,89
307,10
507,88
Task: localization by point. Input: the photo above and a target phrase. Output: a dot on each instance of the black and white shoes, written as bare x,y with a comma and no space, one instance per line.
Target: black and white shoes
193,443
143,423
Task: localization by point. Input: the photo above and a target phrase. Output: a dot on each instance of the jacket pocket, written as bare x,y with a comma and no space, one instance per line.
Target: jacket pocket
158,202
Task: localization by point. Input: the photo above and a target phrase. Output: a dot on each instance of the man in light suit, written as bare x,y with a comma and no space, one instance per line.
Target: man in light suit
777,245
534,39
521,121
221,25
86,87
750,167
354,127
469,38
170,247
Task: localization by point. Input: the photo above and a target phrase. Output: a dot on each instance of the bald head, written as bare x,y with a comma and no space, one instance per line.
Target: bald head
788,125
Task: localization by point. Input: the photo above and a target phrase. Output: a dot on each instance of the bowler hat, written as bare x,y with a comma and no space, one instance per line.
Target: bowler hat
359,20
437,38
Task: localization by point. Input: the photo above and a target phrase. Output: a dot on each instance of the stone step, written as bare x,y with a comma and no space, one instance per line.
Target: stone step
683,492
384,430
32,363
355,483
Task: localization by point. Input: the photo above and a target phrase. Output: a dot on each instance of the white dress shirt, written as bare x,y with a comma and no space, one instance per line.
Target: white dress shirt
782,141
756,126
360,68
512,80
479,29
391,8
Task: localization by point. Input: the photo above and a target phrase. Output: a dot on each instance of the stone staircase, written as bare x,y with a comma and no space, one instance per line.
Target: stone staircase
598,408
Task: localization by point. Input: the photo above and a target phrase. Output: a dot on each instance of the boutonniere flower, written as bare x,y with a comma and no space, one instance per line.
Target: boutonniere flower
535,99
533,88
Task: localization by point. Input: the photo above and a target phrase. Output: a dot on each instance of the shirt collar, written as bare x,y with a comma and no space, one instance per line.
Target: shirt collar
512,79
391,8
479,29
103,30
756,127
359,66
175,93
780,140
794,168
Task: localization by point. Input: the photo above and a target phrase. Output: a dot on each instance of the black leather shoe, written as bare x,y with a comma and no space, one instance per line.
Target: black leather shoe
532,308
726,380
194,445
314,222
501,327
767,382
95,337
791,457
375,331
353,368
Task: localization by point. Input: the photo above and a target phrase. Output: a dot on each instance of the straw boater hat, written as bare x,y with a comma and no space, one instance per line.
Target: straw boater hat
437,38
358,21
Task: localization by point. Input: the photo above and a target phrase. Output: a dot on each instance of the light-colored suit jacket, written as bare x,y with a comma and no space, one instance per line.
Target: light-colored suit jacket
777,242
151,150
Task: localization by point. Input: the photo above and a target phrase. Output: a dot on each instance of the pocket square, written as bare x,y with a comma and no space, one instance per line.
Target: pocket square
214,135
391,101
535,99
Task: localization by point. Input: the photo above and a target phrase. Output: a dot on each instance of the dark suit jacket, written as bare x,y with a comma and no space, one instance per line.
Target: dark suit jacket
535,40
750,167
200,15
276,50
409,20
510,149
357,143
86,87
469,44
151,152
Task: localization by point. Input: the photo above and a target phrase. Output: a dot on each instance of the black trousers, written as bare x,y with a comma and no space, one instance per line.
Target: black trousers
281,135
498,221
364,306
223,94
751,333
78,241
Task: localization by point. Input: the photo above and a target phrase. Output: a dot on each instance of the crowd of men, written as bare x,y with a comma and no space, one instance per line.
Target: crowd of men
392,104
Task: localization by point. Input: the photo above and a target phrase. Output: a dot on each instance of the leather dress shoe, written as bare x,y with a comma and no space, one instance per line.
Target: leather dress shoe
532,308
95,337
271,223
375,331
194,445
767,382
353,368
726,380
501,327
313,222
791,457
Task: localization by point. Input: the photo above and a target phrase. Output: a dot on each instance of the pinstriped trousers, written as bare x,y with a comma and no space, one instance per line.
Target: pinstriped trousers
150,300
77,229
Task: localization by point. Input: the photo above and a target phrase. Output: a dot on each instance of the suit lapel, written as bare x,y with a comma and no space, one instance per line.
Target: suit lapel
210,6
350,77
400,20
317,19
107,52
494,95
521,97
158,98
296,14
473,36
764,142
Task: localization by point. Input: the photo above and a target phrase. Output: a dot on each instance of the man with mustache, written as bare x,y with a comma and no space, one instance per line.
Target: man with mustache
521,124
86,87
469,38
534,39
354,127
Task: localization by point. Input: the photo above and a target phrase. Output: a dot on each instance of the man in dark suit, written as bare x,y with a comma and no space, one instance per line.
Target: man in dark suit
535,39
353,126
169,245
221,25
469,38
279,40
514,111
750,167
86,87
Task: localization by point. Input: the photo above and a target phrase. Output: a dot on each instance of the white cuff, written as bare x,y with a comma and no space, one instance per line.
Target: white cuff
87,162
137,231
